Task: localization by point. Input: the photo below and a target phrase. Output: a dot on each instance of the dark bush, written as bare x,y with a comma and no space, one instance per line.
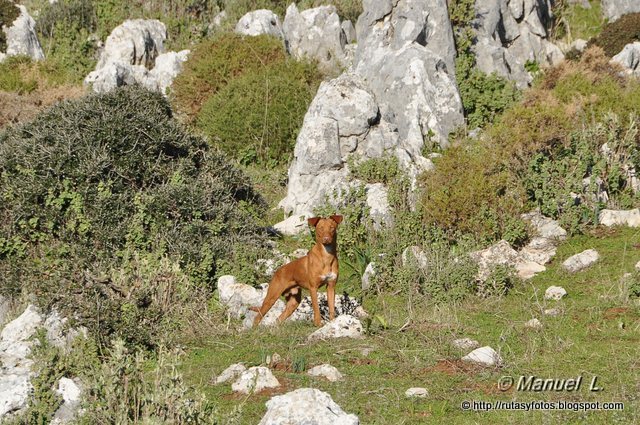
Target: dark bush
616,35
215,63
257,116
8,13
90,185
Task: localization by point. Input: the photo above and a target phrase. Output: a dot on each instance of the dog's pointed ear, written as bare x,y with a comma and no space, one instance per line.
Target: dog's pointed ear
313,221
336,218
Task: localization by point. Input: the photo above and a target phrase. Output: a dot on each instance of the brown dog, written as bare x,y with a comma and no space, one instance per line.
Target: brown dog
319,267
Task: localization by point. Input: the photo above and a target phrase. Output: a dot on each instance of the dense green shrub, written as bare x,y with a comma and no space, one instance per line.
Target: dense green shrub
94,189
376,170
347,9
258,115
8,13
214,63
616,35
538,152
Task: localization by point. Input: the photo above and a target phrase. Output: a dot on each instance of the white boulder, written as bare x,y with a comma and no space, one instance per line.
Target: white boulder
308,406
611,218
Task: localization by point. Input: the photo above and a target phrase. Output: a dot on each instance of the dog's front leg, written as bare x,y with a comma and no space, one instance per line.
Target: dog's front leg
316,307
331,299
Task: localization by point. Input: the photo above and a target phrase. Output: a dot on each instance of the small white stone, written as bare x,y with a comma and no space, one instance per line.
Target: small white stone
416,392
638,266
484,355
326,371
555,293
232,372
552,312
254,380
581,261
533,324
344,326
466,344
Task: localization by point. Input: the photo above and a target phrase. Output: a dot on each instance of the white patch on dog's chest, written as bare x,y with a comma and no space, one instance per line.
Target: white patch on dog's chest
329,276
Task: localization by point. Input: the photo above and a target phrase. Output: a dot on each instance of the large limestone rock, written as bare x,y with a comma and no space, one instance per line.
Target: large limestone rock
306,406
499,254
260,22
406,55
629,58
316,34
614,9
512,32
335,125
71,391
134,42
134,54
21,37
399,92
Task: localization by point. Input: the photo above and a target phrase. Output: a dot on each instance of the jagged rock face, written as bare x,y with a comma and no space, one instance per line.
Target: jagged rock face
406,55
400,91
21,37
614,9
337,123
260,22
135,42
316,34
134,54
512,32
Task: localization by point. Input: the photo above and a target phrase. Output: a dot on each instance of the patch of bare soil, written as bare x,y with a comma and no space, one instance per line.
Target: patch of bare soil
17,108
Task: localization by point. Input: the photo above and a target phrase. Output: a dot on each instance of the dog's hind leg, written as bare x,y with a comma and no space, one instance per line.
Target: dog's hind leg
293,297
269,301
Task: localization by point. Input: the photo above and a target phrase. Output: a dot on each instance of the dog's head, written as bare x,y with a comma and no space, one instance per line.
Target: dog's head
325,228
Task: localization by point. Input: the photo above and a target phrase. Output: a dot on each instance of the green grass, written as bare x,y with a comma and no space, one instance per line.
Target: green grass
578,22
586,339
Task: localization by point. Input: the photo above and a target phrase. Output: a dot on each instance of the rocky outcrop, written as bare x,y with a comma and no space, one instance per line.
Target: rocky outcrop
614,9
260,22
316,34
400,92
306,406
629,58
511,32
134,54
336,125
16,343
530,260
21,37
